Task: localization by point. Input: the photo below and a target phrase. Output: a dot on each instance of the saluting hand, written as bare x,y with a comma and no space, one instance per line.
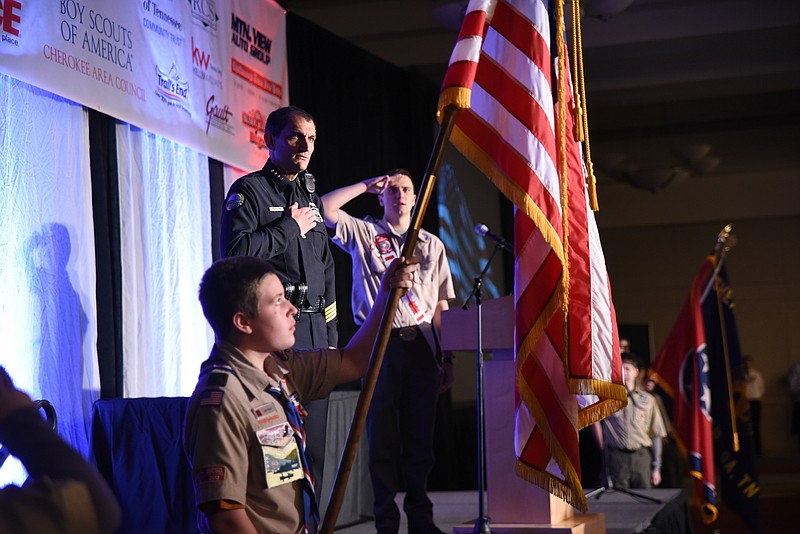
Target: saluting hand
304,217
377,184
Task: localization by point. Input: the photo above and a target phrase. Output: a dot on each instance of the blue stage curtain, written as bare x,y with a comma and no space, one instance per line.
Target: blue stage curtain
47,272
136,445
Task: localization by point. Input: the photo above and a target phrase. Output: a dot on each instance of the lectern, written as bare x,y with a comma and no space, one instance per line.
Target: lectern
513,504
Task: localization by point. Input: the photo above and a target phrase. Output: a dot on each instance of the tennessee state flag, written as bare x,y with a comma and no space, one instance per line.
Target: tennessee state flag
681,374
516,125
734,448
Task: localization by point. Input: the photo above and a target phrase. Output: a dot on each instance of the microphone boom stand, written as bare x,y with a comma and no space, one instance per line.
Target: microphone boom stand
482,522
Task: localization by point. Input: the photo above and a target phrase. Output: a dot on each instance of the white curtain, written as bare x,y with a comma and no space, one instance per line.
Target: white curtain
166,247
47,257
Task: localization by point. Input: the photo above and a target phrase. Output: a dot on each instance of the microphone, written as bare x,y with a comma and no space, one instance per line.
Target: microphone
483,230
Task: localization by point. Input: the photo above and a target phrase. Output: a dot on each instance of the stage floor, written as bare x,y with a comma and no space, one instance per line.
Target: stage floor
624,514
450,508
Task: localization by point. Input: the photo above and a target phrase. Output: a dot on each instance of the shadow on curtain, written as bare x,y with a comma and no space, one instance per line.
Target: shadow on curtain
47,272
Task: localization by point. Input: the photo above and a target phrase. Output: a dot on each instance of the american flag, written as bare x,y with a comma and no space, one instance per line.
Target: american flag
211,397
502,75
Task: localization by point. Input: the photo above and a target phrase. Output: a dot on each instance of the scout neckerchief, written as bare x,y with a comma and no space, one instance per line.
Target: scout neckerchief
386,250
294,411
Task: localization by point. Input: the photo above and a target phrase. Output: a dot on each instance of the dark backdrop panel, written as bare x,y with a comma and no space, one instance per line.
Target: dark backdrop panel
370,115
105,207
640,338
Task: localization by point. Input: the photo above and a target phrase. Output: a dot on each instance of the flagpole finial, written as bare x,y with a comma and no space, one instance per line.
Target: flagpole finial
725,241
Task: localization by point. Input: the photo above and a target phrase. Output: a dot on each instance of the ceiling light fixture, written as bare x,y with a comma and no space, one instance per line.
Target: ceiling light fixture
688,161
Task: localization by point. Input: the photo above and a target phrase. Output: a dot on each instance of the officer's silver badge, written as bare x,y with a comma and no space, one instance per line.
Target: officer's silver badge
234,201
315,211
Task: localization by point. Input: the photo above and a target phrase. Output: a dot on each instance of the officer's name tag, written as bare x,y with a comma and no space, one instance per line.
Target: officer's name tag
276,208
281,463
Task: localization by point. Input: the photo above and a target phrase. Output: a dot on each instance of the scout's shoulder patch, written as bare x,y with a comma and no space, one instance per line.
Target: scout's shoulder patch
235,200
217,379
212,473
211,398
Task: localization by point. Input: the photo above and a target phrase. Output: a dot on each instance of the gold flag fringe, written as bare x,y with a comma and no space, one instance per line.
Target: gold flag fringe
453,96
613,398
561,147
570,489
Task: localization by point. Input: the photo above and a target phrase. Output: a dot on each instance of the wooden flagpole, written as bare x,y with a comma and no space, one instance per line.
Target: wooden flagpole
724,243
379,348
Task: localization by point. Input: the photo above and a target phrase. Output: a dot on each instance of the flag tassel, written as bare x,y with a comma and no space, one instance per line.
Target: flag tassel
581,110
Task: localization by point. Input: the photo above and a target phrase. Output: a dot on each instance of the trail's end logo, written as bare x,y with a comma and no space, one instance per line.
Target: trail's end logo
171,89
10,17
204,14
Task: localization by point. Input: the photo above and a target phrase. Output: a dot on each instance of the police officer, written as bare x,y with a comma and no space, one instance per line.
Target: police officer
275,214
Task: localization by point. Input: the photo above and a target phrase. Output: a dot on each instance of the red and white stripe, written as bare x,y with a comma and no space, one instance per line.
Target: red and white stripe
507,127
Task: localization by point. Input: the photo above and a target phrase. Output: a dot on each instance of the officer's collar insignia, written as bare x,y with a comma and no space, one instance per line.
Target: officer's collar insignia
234,201
275,174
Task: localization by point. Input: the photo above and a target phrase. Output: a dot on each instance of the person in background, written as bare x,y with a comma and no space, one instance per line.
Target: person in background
63,493
755,390
673,465
243,433
401,417
276,214
632,437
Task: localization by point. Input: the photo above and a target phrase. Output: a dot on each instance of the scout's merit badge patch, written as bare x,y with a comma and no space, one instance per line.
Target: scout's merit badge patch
212,473
276,436
281,454
384,246
234,201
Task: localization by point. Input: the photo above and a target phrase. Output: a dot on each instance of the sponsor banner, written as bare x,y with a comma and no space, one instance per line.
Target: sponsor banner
202,73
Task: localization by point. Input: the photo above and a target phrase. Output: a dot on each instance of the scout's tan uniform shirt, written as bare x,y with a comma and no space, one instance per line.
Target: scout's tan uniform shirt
433,280
221,424
636,425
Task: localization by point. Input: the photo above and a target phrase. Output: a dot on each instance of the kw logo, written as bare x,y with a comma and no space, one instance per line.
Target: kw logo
200,57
